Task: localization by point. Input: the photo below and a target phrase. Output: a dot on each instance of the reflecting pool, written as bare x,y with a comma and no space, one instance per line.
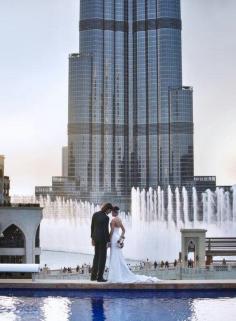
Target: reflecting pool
26,305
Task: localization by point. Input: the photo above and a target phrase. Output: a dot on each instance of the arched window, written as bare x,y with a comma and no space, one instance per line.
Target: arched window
37,239
191,253
13,237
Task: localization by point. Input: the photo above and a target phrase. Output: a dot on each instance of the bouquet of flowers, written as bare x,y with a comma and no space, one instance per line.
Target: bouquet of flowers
120,242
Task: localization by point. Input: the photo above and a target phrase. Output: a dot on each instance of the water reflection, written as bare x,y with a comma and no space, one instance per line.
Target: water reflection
214,309
125,306
8,308
56,309
98,309
142,309
81,309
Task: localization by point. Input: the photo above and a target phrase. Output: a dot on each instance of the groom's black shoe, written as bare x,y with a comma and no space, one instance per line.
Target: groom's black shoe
101,280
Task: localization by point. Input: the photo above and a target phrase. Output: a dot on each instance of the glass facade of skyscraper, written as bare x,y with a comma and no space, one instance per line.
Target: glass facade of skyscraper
181,136
130,119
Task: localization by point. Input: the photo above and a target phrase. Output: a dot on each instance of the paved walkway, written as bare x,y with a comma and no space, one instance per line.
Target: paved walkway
89,285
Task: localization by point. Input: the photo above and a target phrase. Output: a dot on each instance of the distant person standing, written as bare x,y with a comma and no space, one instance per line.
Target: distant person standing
100,240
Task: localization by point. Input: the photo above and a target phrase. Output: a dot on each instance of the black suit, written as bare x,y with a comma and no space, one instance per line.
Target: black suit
100,236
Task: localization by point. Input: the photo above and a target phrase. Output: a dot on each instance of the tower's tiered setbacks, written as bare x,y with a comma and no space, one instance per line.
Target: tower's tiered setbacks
130,118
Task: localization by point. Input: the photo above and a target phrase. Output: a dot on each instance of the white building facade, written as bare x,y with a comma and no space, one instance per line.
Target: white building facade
20,233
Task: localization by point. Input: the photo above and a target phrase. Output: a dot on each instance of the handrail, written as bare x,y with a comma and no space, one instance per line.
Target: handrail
220,237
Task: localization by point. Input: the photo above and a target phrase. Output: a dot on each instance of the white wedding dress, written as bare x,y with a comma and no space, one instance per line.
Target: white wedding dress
119,271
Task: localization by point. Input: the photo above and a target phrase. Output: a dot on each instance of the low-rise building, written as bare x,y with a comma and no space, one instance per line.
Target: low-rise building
65,187
20,233
202,183
19,226
6,190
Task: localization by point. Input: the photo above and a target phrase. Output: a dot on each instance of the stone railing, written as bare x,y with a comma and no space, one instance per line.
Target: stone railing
216,272
213,272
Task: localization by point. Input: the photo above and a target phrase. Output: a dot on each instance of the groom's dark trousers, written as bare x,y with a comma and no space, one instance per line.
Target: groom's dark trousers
100,237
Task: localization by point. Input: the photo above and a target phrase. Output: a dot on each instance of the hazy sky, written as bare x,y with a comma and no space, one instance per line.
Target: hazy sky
37,36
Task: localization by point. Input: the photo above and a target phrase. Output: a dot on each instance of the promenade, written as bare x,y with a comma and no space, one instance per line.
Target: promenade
7,284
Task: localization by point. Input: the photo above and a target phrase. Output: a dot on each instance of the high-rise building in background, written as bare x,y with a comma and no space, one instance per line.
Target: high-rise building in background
4,184
130,118
1,178
64,161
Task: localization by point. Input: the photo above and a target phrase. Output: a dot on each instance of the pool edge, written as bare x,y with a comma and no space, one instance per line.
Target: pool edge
86,285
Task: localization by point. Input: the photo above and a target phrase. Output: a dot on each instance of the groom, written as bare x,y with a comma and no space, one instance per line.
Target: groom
100,239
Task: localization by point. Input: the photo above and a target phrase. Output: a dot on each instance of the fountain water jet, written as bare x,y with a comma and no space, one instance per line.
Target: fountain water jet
152,228
234,203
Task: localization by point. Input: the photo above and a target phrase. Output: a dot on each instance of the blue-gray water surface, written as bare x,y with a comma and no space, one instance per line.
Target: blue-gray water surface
116,306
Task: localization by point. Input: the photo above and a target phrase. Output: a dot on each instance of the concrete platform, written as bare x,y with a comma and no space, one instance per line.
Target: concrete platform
88,285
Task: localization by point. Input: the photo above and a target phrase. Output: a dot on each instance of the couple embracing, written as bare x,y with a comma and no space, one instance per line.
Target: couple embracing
119,271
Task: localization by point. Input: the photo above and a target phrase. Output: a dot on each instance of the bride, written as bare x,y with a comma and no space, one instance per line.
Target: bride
119,271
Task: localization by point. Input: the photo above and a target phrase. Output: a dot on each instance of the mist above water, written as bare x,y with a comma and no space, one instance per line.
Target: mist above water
152,227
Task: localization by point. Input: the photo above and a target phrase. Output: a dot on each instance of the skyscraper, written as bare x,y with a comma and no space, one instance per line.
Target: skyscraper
130,118
64,161
1,178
